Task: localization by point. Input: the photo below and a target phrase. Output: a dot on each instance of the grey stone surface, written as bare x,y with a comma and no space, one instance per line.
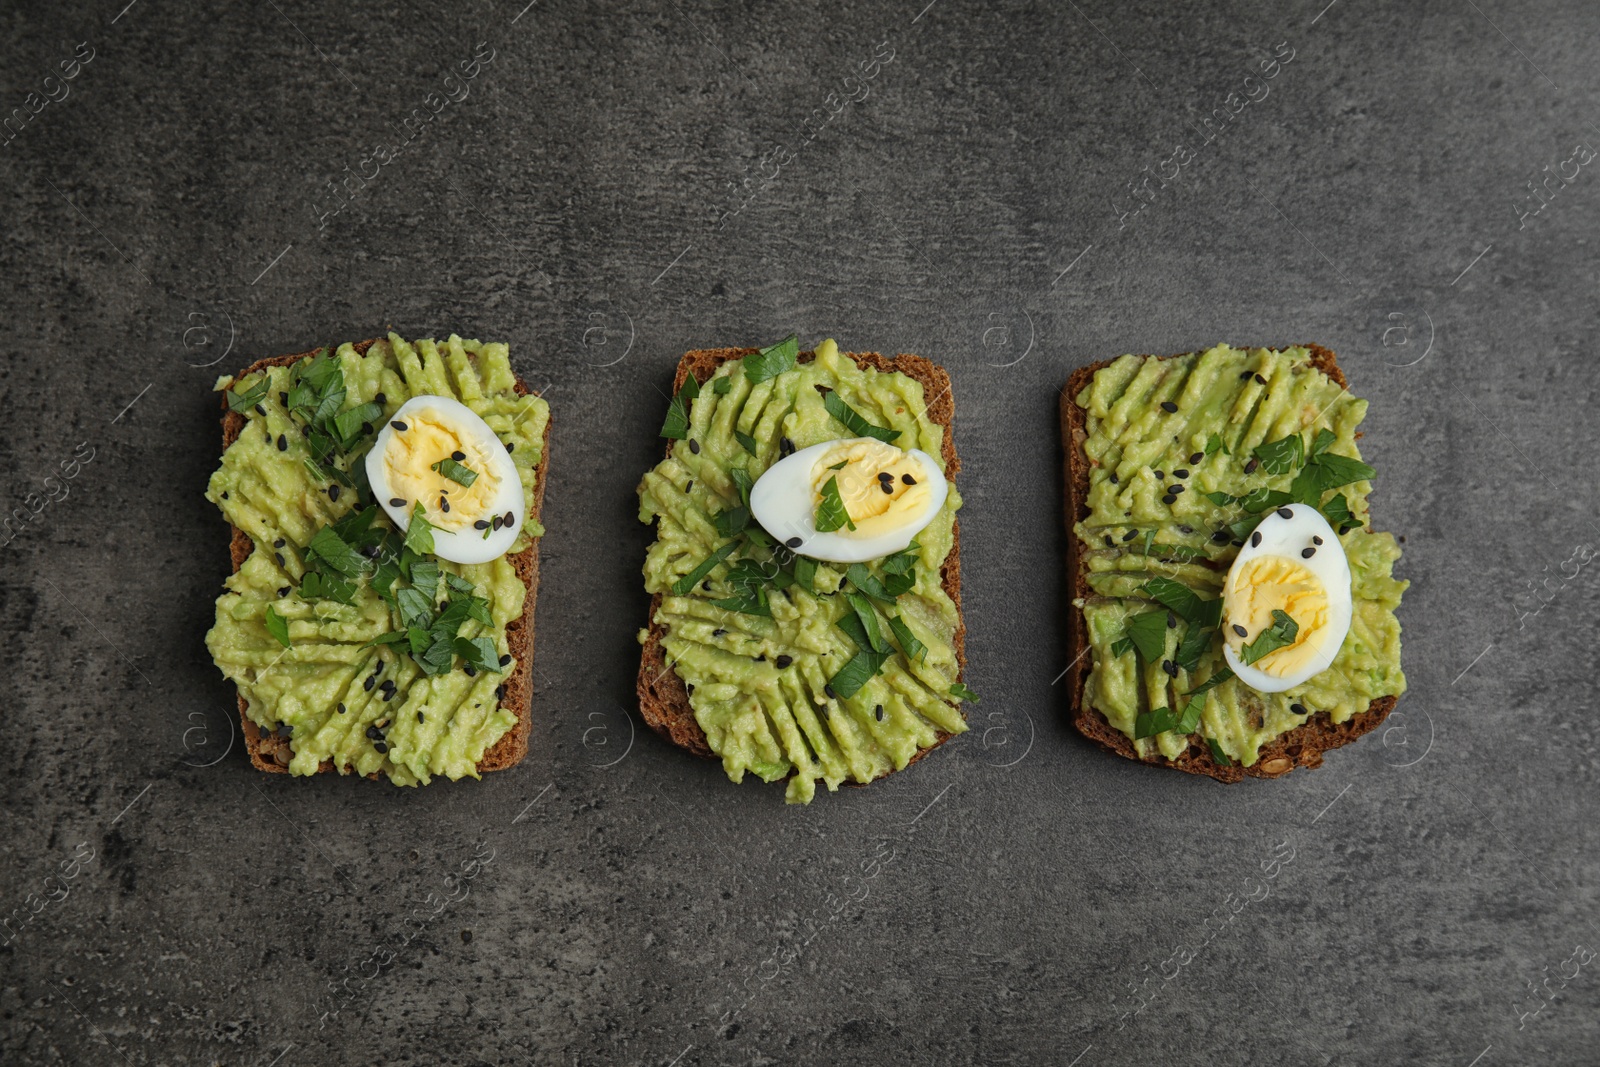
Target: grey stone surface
1016,897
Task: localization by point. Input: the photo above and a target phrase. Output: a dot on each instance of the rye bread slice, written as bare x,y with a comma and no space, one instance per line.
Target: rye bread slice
663,700
265,749
1301,747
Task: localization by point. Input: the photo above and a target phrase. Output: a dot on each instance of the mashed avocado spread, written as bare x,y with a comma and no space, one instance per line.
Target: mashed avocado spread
757,637
320,626
1235,430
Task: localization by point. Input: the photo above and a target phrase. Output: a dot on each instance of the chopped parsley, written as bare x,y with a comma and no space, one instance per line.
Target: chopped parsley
831,512
278,627
682,586
462,475
853,420
1280,634
242,402
773,361
961,692
676,425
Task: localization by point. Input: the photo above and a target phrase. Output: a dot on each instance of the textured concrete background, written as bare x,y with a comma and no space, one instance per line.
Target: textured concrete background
611,192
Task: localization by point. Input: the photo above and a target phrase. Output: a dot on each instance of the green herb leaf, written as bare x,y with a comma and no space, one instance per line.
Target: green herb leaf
732,521
1196,639
750,599
478,609
831,512
746,442
869,622
913,649
1334,470
459,473
1214,444
1281,456
419,532
721,384
1221,675
478,652
849,679
420,639
1148,632
393,637
458,584
773,361
677,422
864,580
1121,646
416,607
741,479
1184,602
1322,442
1221,500
425,578
439,656
1280,634
317,585
1337,512
805,573
961,692
1191,715
1264,499
347,424
242,402
328,549
839,466
1217,754
682,586
853,420
278,626
1242,529
1152,722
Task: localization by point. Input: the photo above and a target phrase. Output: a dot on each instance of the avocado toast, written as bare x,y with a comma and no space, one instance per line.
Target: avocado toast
351,680
756,687
1172,466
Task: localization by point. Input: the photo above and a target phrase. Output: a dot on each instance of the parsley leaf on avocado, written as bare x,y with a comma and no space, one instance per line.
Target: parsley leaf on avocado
707,565
1184,602
1281,456
1148,632
278,626
242,402
852,420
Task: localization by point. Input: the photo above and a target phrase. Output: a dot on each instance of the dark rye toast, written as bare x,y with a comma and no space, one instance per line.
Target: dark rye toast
663,700
1301,747
265,749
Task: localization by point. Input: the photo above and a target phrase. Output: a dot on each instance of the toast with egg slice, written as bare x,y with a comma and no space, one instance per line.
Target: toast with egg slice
271,753
1302,746
663,697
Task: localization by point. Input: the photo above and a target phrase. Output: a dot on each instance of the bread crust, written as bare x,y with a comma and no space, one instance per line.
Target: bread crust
513,745
663,700
1301,747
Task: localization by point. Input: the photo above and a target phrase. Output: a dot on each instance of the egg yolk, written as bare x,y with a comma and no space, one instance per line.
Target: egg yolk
873,483
1263,584
409,460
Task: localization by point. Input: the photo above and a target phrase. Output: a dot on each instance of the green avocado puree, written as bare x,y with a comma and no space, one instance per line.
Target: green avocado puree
318,687
759,717
1245,398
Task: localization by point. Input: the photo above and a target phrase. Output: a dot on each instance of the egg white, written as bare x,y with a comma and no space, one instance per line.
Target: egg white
466,545
1287,537
782,501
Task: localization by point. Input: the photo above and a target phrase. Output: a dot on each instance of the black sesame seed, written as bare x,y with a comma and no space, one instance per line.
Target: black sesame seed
283,591
279,557
1240,630
1186,529
887,487
694,446
380,399
1130,535
1196,457
718,632
375,733
1168,406
878,711
783,661
761,658
397,502
472,672
706,585
828,689
794,542
279,543
500,692
380,747
1285,513
333,492
283,443
1169,500
458,455
387,685
505,659
1260,380
785,445
1298,709
507,520
511,446
908,479
481,524
1238,544
1316,540
444,505
285,730
1220,537
1162,475
398,425
1346,528
368,684
1245,374
1172,623
1109,542
885,476
1170,667
283,398
341,709
1113,478
420,718
1250,467
1180,473
260,410
1307,553
224,494
1255,539
388,695
1175,489
494,524
372,551
366,427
